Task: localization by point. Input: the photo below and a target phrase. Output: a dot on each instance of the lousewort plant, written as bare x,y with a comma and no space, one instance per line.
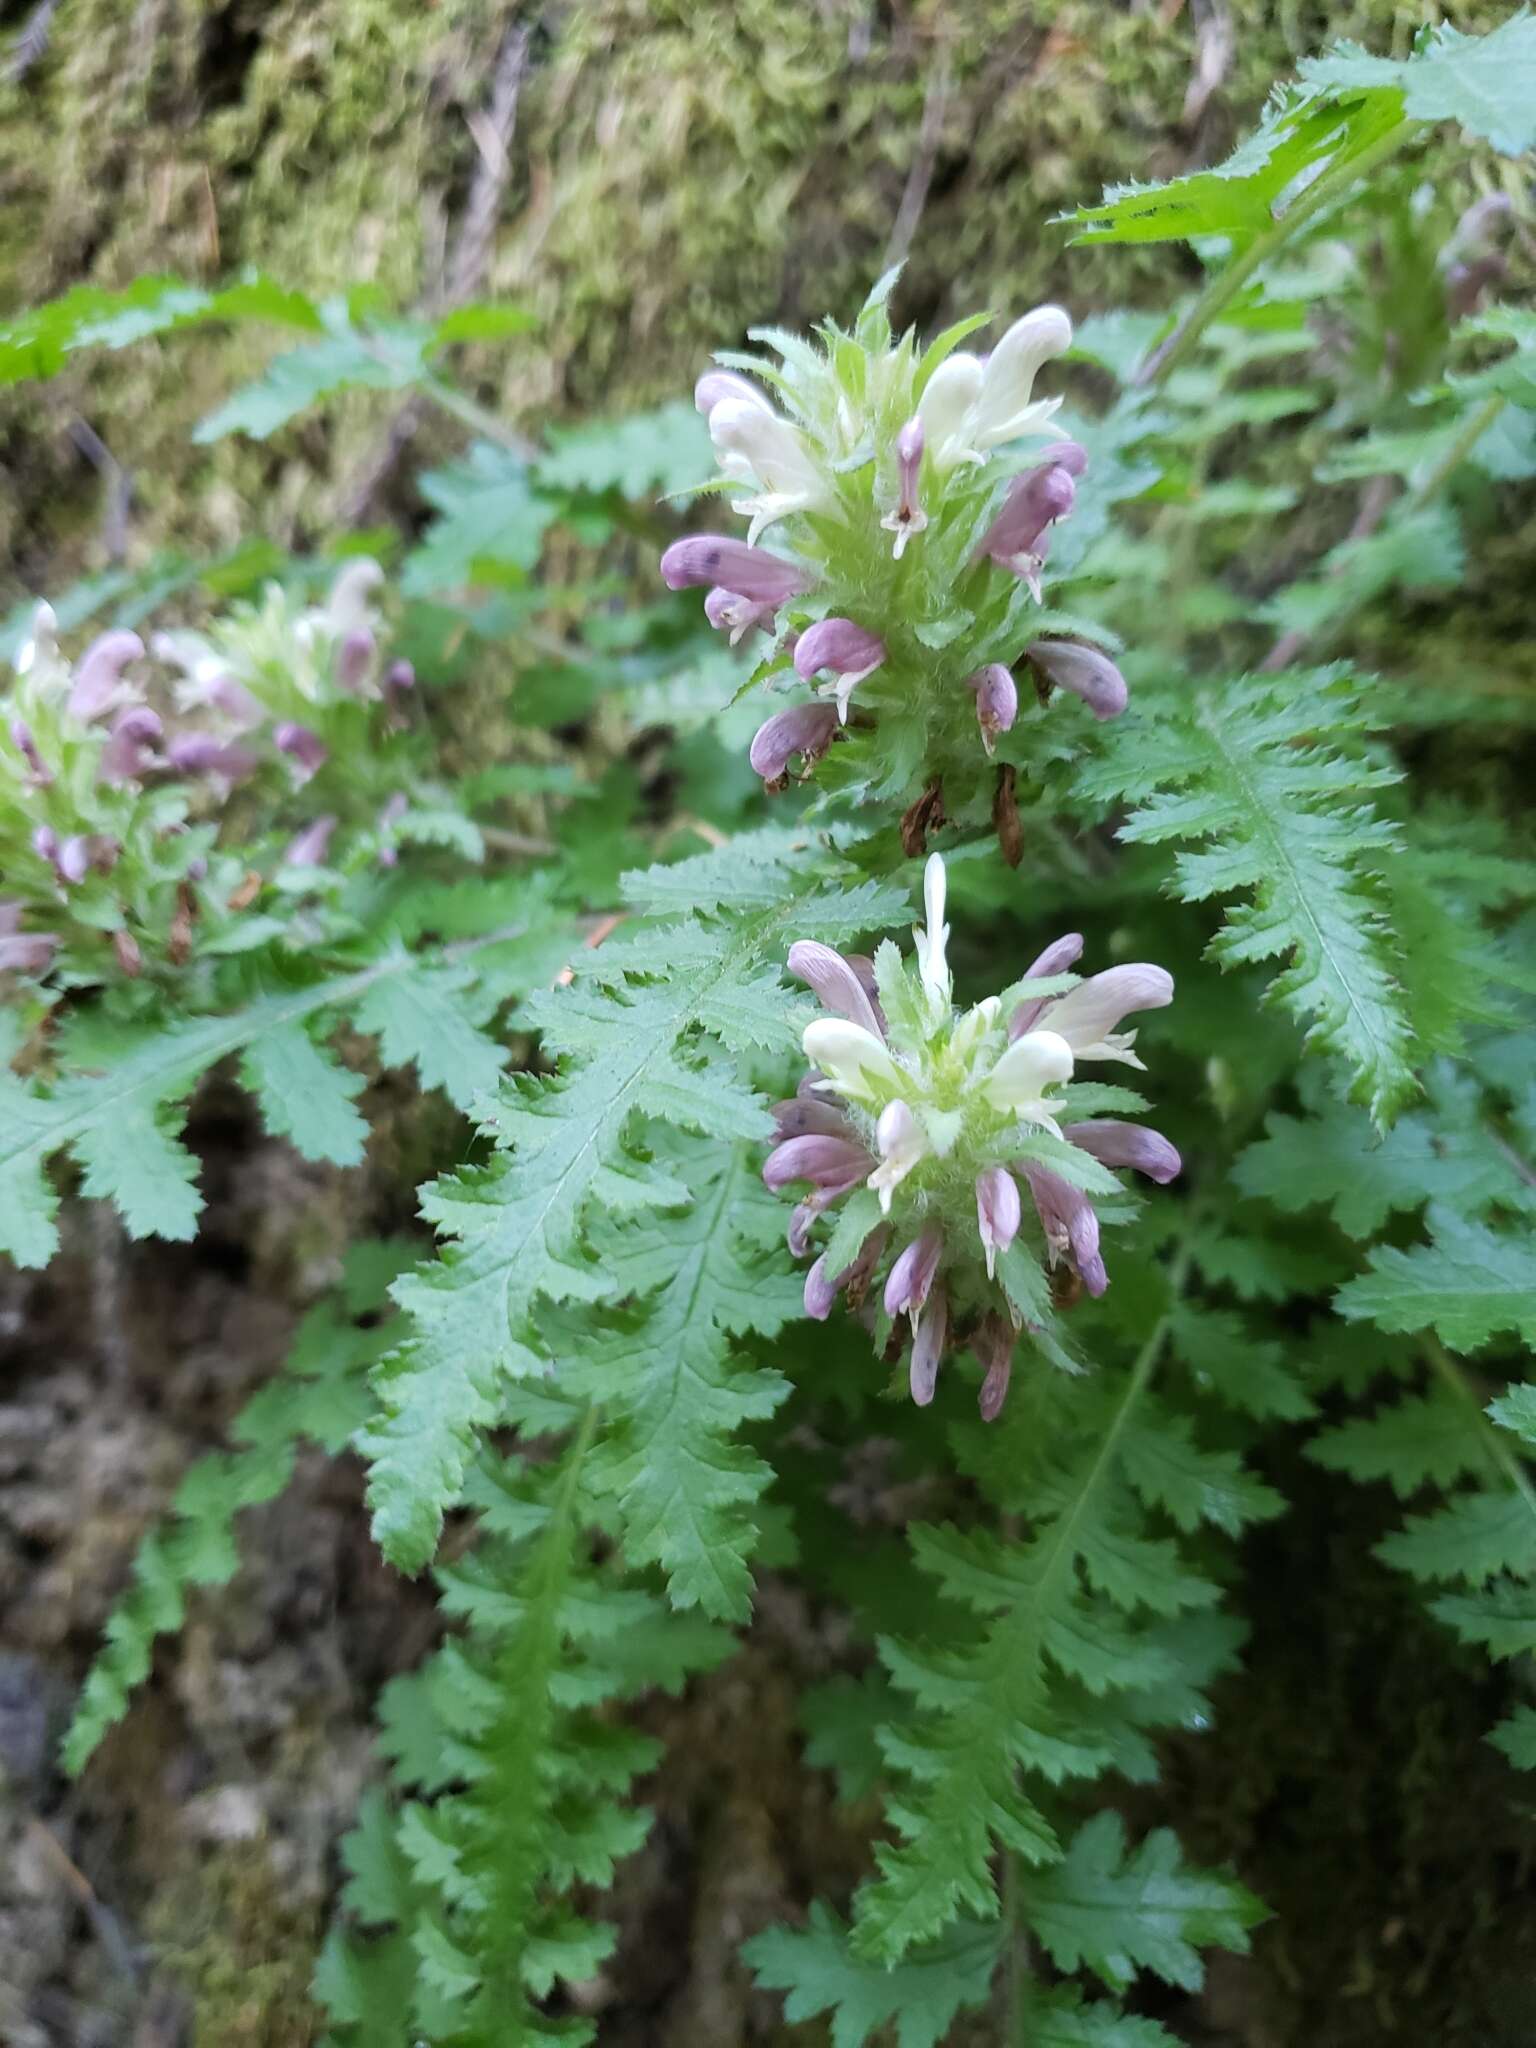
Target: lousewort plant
765,1252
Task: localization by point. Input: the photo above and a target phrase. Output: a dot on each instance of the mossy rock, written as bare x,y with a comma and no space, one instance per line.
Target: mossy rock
679,172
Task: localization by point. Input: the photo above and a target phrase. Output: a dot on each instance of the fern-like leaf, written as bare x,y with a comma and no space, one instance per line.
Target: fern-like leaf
1268,802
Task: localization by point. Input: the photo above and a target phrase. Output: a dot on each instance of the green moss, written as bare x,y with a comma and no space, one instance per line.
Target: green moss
242,1949
681,170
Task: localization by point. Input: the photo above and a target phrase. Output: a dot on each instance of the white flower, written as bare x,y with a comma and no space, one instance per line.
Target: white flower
853,1060
1003,411
757,448
946,405
1028,1067
932,944
899,1137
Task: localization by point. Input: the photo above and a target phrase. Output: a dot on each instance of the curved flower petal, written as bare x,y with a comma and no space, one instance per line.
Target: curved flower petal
1086,1016
825,1162
901,1142
928,1341
998,1212
854,1060
1086,671
1028,1067
715,386
1070,1222
803,729
1060,955
932,942
706,558
99,683
908,1284
997,702
947,401
1118,1144
834,983
1003,410
809,1116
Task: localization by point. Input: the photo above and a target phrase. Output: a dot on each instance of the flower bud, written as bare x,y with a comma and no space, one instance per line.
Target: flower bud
27,952
1118,1144
1033,502
998,1212
1086,671
74,860
1070,1223
347,604
354,655
39,774
754,573
909,516
912,1276
99,683
993,1345
804,729
306,749
204,753
399,679
928,1341
308,850
844,647
824,1162
820,1291
997,701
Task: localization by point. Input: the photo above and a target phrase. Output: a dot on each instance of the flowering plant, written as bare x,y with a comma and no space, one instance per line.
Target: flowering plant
619,1336
939,1116
912,498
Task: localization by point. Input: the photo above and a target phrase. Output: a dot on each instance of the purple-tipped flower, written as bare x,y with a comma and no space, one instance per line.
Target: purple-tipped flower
928,1341
305,749
204,753
804,729
27,952
75,855
911,1279
808,1116
824,1162
399,680
1086,671
1070,1223
1058,957
847,649
993,1345
99,684
129,752
997,701
998,1212
712,558
1116,1144
308,850
39,774
909,516
1018,537
715,386
354,657
225,694
835,983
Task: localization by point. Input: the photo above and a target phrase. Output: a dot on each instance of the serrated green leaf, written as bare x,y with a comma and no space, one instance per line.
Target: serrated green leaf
385,359
1468,1284
923,1995
1486,83
1115,1912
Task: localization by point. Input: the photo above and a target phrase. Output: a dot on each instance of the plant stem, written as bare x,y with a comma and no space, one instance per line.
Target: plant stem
1225,286
1477,425
448,398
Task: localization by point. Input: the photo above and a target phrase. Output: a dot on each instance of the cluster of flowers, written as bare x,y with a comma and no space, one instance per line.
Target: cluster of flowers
947,1119
109,807
918,535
